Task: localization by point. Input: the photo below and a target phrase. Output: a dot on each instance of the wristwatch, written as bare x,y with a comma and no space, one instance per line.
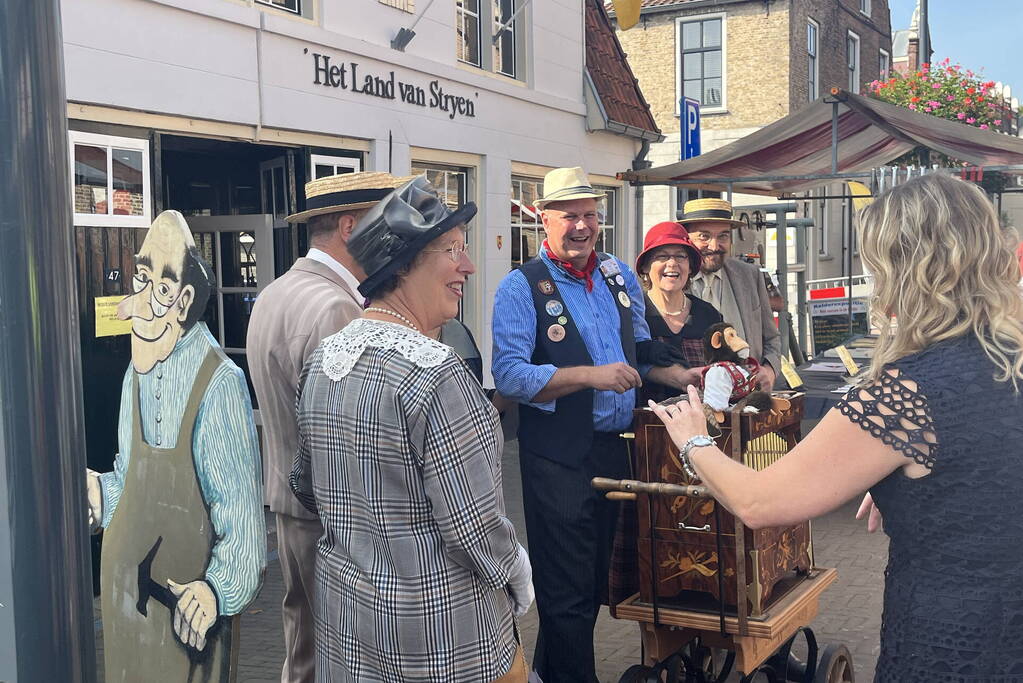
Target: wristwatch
697,441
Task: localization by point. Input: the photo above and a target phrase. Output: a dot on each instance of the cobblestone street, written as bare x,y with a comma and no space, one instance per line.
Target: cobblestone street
850,611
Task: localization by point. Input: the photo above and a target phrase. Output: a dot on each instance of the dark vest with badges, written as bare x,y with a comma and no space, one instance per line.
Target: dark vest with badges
566,434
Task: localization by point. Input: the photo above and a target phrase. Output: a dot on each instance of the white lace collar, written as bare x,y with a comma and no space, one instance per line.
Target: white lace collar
342,350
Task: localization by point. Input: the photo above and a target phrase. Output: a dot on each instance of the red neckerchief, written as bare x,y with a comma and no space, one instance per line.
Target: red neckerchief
585,274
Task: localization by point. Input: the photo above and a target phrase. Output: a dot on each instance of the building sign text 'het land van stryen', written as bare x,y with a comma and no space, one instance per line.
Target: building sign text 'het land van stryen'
347,76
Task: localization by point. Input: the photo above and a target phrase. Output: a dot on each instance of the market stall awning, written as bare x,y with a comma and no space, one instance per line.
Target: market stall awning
794,153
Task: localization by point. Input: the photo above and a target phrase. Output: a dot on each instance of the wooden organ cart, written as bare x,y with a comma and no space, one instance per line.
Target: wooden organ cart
708,582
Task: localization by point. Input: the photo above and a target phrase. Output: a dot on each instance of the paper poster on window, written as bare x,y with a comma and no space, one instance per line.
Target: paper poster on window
107,323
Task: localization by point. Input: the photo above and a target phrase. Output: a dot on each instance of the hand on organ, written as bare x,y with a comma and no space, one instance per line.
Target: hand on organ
766,377
94,496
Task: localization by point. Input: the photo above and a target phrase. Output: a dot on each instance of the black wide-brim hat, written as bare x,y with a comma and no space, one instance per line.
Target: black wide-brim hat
388,237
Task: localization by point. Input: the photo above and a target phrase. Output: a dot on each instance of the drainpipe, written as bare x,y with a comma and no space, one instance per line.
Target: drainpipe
640,163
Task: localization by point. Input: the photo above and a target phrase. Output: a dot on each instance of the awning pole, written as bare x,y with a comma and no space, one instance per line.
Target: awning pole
782,235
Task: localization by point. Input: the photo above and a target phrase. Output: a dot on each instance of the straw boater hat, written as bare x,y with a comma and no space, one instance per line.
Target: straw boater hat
708,211
566,184
345,192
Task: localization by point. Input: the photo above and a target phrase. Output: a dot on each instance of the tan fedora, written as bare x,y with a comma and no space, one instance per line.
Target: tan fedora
708,211
345,192
566,184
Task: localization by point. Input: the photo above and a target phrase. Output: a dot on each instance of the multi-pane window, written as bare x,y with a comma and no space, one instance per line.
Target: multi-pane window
812,32
323,166
110,180
865,7
702,60
404,5
884,65
852,61
467,27
608,210
504,48
526,228
289,5
451,182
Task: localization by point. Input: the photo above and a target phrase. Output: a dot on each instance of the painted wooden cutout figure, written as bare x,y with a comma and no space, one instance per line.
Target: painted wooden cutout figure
731,375
184,549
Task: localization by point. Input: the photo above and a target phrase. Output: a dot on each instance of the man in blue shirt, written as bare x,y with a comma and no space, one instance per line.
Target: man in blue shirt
571,345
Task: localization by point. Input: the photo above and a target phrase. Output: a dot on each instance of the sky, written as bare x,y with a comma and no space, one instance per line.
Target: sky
979,34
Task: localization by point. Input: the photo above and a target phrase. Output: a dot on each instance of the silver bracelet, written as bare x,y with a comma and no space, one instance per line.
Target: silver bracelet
698,441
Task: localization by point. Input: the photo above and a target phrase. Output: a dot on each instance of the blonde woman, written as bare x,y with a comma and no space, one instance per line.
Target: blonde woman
935,432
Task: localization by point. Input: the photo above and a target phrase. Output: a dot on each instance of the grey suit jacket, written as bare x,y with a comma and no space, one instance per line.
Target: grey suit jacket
755,310
290,318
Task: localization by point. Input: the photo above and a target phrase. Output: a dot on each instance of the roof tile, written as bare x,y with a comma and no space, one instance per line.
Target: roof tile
607,65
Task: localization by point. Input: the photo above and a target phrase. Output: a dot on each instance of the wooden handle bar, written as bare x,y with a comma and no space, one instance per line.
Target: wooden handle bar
657,489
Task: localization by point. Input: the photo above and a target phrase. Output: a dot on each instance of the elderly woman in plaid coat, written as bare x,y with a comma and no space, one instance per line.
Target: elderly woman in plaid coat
419,573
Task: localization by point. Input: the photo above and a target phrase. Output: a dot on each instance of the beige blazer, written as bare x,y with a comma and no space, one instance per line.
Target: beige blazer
755,310
290,318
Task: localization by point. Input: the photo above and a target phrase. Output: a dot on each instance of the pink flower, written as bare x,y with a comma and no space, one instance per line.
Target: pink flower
983,126
950,98
967,101
997,122
960,116
933,105
971,120
927,109
935,85
912,106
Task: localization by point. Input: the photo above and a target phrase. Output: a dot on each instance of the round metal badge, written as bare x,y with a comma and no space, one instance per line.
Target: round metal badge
555,333
554,308
563,320
620,280
624,300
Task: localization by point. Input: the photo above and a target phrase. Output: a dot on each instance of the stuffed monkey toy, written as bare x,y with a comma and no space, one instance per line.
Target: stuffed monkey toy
731,375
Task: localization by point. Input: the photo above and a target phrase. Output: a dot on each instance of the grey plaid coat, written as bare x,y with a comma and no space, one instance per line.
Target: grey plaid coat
400,455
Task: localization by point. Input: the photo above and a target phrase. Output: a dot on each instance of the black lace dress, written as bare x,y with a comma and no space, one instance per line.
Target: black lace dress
953,602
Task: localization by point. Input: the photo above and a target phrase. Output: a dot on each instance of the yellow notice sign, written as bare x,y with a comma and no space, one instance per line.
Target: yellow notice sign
790,374
107,324
847,360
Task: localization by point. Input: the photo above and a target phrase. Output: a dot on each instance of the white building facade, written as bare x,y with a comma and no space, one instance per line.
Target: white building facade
223,109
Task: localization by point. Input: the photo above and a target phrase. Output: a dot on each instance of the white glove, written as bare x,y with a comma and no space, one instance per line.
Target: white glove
520,584
94,494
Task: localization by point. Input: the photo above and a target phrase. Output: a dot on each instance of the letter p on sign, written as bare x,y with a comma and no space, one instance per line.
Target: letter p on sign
690,128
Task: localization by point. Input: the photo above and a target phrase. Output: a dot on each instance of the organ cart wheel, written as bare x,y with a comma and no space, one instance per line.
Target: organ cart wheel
835,665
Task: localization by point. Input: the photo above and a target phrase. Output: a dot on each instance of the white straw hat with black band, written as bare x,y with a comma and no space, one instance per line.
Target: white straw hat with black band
566,184
345,192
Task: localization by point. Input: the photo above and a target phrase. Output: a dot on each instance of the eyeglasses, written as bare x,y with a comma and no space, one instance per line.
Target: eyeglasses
664,258
161,296
455,251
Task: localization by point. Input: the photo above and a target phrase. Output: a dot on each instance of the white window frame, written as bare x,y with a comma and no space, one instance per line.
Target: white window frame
865,7
884,70
112,142
513,30
460,13
853,73
724,61
611,221
814,70
354,165
269,3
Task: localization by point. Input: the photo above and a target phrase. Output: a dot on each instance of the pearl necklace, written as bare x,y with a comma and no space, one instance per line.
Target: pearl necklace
399,316
685,307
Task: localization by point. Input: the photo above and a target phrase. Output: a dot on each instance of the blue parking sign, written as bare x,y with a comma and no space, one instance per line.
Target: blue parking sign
690,128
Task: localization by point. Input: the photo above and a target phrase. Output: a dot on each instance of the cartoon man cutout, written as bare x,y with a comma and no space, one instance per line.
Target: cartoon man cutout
184,549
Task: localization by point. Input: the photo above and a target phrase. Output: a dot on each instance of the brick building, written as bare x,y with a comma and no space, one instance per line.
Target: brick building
749,63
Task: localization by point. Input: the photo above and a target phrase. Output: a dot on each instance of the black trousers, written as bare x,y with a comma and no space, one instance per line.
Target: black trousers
570,528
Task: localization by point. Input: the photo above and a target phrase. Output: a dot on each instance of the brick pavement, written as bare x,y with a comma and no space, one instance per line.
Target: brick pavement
850,610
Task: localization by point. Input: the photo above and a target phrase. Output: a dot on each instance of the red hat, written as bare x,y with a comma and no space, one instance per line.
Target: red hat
670,232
